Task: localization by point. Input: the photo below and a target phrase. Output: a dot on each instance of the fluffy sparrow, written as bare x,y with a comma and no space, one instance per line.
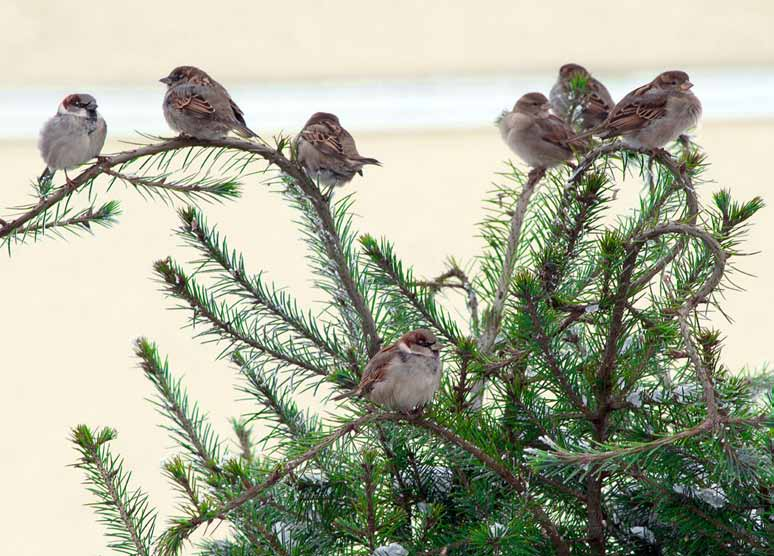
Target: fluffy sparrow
404,376
198,106
74,135
327,151
655,114
593,99
539,138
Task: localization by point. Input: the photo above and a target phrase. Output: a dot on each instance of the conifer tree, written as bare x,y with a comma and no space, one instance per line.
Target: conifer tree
584,409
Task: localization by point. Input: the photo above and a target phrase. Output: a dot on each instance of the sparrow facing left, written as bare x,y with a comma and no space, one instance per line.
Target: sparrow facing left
327,151
73,136
403,376
593,99
655,114
198,106
539,138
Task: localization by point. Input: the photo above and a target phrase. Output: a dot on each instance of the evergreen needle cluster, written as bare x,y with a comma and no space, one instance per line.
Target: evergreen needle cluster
585,408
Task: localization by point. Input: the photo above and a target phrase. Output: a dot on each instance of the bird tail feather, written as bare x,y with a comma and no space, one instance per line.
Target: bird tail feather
47,175
366,160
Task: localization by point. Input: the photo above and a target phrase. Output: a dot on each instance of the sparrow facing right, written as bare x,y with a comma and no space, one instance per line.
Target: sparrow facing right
73,136
327,151
655,114
403,376
198,106
539,138
593,99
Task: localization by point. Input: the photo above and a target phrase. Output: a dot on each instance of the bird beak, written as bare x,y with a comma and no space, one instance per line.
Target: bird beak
685,86
91,106
436,346
165,80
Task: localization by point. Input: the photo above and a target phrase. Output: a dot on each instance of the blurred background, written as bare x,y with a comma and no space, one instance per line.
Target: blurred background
418,83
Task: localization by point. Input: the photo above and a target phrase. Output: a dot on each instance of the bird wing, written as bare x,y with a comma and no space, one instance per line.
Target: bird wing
191,101
636,111
599,100
376,368
324,140
556,131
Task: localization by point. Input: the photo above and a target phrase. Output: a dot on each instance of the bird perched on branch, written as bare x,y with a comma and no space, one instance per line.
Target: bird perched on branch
73,136
539,138
198,106
327,151
575,88
403,376
655,114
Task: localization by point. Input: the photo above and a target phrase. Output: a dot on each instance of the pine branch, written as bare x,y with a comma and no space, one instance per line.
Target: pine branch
207,189
104,215
227,325
493,316
281,309
189,427
389,268
126,515
329,234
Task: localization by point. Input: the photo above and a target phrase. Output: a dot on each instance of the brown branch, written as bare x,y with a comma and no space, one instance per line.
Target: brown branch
113,490
503,472
291,168
737,534
494,315
84,220
553,364
161,183
285,469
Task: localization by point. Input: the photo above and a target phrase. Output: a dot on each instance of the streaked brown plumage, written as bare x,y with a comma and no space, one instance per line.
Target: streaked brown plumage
327,151
594,102
539,138
655,114
198,106
403,376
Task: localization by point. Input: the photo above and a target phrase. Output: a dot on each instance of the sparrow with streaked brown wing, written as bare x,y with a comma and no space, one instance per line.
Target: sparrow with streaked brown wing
575,87
403,376
327,151
539,138
655,114
198,106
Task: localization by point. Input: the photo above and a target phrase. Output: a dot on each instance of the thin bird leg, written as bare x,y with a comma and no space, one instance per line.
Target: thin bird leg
329,193
68,181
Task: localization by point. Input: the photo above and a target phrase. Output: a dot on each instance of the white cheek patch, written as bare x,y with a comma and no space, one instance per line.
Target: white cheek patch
404,348
78,112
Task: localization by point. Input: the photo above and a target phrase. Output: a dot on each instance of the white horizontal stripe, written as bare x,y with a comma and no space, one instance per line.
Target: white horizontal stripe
377,105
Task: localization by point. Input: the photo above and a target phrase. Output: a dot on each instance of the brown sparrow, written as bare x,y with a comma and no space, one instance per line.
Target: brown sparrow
404,376
591,97
327,151
539,138
198,106
74,135
655,114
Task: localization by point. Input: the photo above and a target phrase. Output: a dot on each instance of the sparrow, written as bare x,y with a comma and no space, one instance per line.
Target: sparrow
539,138
575,87
73,136
655,114
198,106
327,151
403,376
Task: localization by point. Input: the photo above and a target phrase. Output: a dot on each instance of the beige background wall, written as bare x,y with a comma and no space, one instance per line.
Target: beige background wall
72,308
